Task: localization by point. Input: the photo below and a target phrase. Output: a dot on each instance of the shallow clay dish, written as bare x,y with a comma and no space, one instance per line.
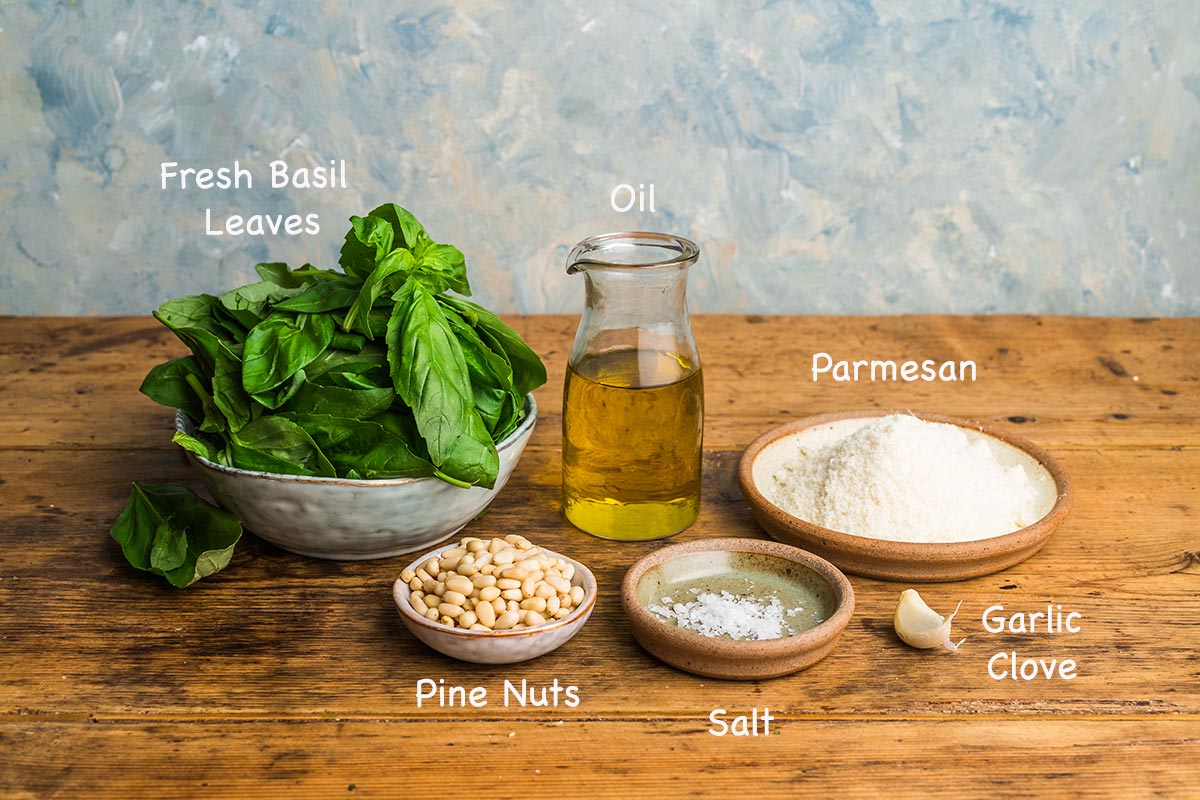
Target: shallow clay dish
707,563
497,647
906,561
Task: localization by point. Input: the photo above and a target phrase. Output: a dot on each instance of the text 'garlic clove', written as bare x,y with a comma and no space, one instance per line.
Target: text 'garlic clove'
920,626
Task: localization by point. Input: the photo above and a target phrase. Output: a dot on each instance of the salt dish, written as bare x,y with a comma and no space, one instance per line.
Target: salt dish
714,562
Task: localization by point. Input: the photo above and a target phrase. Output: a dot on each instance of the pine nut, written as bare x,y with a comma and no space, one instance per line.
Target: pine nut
506,620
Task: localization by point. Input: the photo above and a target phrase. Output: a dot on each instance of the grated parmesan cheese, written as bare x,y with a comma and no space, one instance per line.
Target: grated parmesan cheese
727,614
903,479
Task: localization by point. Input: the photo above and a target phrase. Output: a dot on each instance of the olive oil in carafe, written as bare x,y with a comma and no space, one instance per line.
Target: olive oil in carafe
633,425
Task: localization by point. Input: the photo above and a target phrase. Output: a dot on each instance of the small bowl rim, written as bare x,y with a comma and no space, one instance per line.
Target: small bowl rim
960,552
401,595
712,646
182,419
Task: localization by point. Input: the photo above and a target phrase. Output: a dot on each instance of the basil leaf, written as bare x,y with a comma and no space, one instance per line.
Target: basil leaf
194,445
228,395
274,398
368,240
280,346
166,384
170,531
443,267
491,374
276,444
329,295
250,304
528,370
364,448
192,319
390,272
431,376
278,273
339,401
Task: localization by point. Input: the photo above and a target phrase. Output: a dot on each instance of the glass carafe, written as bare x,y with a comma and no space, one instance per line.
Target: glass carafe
633,404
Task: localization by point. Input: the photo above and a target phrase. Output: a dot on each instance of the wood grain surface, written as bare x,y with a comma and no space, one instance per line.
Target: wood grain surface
286,675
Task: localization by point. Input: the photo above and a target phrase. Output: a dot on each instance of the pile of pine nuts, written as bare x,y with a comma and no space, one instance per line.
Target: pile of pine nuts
493,585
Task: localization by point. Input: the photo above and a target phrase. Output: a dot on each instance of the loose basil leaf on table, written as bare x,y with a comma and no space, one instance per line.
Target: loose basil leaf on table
170,531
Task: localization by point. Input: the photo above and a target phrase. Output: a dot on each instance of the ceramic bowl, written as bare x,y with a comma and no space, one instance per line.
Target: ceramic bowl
497,647
351,520
903,561
709,563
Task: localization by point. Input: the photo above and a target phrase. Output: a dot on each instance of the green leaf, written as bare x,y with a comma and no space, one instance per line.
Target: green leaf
339,401
528,370
195,445
430,374
348,341
491,374
166,384
280,346
276,444
443,267
192,319
327,295
228,395
279,274
386,277
365,448
371,357
274,398
170,531
250,304
369,239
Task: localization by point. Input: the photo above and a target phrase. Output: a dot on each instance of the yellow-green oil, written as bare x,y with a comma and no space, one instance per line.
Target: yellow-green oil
633,426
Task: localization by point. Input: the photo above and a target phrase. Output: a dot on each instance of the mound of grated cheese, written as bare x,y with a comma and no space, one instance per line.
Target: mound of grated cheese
904,479
728,614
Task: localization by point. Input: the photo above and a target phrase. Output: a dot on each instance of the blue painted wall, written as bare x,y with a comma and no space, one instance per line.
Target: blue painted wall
846,157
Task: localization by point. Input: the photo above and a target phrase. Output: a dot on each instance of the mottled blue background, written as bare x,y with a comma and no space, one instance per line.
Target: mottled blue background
846,157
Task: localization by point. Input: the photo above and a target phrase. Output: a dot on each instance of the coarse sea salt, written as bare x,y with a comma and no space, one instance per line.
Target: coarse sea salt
727,614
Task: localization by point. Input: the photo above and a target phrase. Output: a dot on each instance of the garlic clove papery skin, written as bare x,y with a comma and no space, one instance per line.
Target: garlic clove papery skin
920,626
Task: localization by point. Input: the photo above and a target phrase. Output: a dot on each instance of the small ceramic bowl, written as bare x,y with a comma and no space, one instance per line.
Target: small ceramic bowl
902,561
497,647
712,564
352,520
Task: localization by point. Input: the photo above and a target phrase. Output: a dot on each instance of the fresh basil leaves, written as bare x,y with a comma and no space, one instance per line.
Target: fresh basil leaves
171,531
373,371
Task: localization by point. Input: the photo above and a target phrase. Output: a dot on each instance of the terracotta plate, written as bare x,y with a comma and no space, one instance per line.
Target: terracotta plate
903,561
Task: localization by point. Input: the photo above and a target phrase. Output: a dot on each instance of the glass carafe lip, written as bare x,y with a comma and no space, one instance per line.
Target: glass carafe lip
683,252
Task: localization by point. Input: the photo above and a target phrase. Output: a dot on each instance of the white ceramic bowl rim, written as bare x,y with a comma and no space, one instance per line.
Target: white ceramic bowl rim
401,592
185,424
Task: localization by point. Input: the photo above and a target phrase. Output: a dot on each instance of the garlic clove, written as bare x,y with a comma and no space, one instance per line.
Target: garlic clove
920,626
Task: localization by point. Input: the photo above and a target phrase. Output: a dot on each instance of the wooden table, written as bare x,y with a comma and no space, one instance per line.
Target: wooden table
286,675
